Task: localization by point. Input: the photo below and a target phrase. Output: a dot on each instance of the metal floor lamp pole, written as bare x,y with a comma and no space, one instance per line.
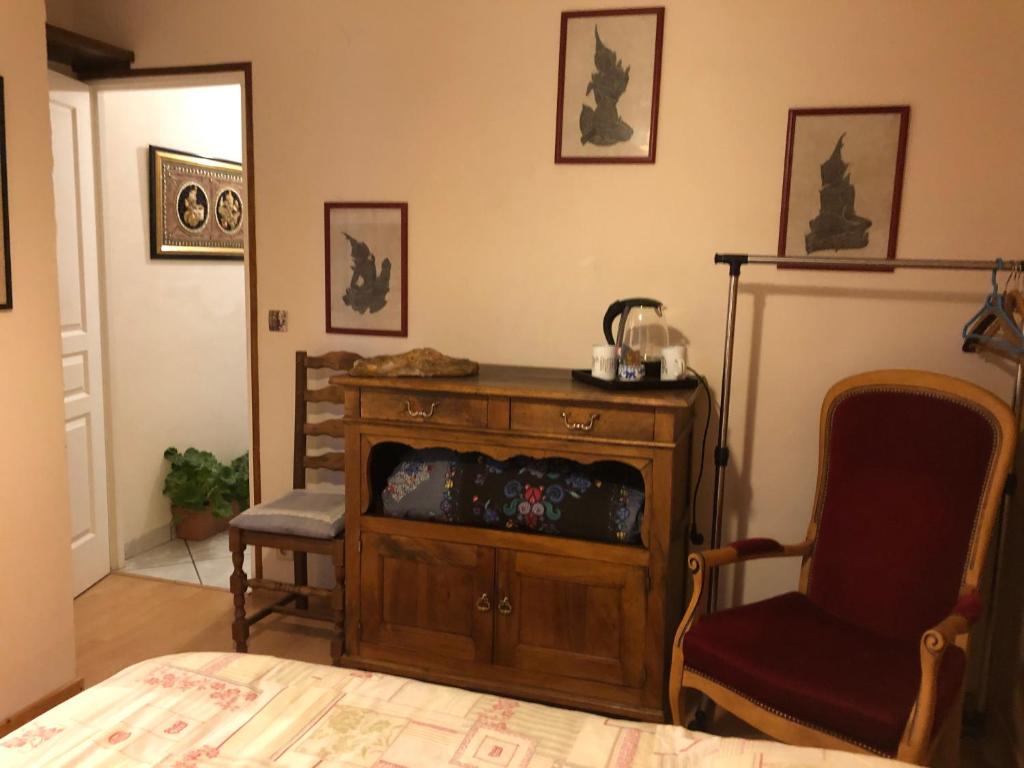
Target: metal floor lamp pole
721,447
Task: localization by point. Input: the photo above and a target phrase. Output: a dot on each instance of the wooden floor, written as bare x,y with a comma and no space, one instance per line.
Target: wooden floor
125,619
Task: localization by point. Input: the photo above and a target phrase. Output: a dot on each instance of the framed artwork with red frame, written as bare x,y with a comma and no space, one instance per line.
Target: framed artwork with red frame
609,76
6,301
366,264
842,183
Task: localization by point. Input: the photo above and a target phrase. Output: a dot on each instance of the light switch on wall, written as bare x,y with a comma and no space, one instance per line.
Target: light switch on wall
278,320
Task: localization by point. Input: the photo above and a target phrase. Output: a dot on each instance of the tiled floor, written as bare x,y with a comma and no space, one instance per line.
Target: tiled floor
193,562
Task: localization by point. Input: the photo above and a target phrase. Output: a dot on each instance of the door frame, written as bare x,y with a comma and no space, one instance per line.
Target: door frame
245,69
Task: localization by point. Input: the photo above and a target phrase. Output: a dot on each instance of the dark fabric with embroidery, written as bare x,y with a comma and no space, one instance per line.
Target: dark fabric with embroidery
418,484
600,502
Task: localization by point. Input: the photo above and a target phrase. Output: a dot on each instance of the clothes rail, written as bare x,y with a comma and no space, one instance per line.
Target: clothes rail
736,262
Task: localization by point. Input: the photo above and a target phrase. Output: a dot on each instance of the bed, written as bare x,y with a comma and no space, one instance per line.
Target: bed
230,710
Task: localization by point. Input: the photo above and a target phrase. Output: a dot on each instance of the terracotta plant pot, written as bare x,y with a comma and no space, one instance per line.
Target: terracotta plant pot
199,524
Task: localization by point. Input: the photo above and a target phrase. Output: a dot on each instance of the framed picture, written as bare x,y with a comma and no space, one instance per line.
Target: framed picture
6,300
366,258
196,206
843,182
609,73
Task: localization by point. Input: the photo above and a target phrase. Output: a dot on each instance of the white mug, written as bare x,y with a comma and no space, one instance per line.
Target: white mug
673,363
604,362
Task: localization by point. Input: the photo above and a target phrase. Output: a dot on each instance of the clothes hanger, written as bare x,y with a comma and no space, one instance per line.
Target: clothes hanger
993,318
1013,303
1013,299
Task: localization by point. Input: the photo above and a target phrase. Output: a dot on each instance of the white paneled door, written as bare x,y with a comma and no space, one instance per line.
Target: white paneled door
78,277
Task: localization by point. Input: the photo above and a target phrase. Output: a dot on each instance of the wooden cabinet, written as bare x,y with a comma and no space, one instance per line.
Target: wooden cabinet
416,407
560,418
571,617
425,597
575,623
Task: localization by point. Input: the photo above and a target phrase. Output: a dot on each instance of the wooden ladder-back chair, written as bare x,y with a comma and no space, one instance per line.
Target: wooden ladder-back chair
301,521
869,654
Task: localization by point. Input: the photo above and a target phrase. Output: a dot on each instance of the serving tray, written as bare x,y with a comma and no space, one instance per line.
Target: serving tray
583,375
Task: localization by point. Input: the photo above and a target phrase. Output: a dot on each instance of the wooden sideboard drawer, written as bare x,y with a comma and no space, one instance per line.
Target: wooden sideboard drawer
575,419
424,407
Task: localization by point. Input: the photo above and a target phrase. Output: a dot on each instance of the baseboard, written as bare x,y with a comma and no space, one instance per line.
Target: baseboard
147,541
34,710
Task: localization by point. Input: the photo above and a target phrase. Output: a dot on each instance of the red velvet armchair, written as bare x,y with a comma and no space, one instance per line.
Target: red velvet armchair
869,653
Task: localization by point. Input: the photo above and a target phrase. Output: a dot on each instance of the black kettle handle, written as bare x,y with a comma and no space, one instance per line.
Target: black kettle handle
620,306
614,311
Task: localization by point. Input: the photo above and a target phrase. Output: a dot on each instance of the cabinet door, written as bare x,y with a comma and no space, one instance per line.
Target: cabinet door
571,617
431,598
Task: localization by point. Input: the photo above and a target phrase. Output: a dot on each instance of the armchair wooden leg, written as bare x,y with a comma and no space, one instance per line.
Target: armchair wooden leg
239,585
338,602
676,690
301,579
946,753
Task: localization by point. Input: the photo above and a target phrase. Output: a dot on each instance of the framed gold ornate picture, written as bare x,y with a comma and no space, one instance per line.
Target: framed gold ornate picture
366,263
196,206
609,73
5,236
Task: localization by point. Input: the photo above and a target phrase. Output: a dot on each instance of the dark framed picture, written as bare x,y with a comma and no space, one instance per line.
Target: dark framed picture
609,75
6,299
843,182
196,206
366,261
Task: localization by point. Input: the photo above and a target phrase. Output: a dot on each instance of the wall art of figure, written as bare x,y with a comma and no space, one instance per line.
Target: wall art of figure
609,74
843,183
187,194
837,226
366,255
603,125
368,289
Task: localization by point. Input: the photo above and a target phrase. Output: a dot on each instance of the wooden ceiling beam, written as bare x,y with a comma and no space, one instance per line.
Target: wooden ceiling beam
85,55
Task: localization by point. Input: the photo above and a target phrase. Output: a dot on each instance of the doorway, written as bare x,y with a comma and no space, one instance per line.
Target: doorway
172,362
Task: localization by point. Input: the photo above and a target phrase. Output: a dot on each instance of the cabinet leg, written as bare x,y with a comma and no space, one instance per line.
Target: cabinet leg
338,603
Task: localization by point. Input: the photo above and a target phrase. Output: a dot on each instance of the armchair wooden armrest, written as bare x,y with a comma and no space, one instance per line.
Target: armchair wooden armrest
934,642
736,552
700,563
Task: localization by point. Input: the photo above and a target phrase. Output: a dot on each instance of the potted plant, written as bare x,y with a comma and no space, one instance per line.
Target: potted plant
204,493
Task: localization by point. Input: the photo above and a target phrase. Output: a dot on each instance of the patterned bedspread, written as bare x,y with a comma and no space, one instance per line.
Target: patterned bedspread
220,709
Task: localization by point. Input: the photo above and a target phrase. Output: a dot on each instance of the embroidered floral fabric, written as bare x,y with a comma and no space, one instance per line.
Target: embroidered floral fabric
601,502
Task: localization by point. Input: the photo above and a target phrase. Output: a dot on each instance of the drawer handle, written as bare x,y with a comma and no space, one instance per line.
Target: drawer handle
505,606
483,603
419,414
579,426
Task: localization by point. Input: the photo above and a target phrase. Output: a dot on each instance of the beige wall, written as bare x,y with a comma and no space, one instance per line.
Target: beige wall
175,330
451,106
37,644
61,13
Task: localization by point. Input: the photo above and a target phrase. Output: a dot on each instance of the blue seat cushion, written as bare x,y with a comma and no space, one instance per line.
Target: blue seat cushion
300,512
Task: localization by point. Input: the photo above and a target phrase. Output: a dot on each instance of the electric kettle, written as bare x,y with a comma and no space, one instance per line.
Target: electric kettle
642,329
